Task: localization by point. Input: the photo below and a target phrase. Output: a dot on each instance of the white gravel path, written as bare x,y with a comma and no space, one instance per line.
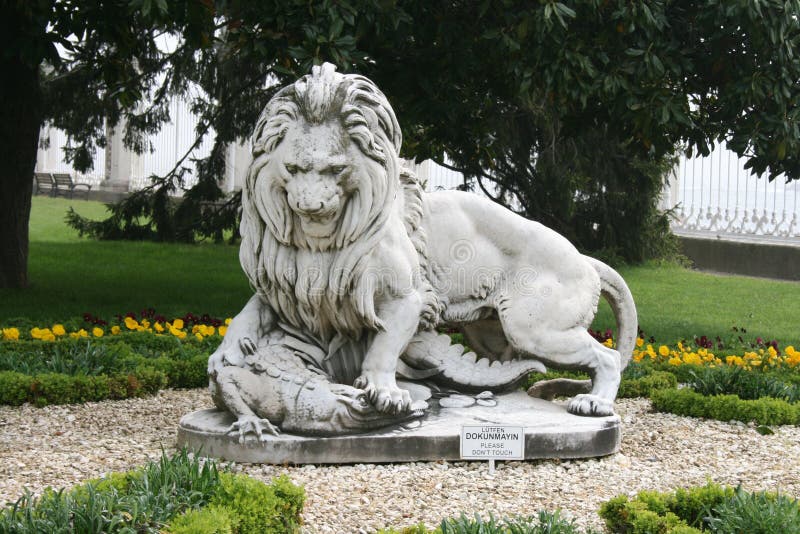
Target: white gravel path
65,445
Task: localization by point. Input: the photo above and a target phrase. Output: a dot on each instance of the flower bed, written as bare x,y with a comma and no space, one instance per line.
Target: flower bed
92,359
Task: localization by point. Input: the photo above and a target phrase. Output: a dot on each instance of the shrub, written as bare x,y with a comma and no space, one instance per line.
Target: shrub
766,411
209,520
259,508
694,504
15,388
646,385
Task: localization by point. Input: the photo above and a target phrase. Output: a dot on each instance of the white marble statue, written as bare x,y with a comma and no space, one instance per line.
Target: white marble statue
355,268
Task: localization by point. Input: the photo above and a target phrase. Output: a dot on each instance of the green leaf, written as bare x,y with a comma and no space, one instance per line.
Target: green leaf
764,430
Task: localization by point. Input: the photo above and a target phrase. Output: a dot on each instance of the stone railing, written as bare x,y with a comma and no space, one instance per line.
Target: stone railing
716,195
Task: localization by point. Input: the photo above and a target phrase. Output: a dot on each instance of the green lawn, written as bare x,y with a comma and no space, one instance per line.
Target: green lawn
676,303
71,275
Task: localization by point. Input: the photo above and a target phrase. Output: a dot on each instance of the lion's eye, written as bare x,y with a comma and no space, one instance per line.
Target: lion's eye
337,169
291,169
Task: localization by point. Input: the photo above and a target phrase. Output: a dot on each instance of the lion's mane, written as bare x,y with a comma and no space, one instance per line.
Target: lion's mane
321,286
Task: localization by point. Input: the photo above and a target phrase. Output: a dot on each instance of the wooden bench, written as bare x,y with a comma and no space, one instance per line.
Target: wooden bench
62,183
44,183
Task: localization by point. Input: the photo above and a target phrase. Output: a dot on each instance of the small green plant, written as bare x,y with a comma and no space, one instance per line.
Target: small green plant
710,508
744,384
755,513
543,523
179,494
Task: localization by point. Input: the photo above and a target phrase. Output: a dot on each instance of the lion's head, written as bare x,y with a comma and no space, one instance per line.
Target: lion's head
325,171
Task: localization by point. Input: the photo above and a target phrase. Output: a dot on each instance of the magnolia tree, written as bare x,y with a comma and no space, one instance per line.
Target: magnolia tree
567,111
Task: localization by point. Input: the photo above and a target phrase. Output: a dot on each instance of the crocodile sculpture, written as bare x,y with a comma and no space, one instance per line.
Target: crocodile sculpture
277,387
290,382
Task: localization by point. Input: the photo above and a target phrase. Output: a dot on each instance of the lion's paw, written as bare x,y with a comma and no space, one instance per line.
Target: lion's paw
253,425
387,397
590,405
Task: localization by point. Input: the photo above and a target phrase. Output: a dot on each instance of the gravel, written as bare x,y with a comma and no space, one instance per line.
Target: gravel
65,445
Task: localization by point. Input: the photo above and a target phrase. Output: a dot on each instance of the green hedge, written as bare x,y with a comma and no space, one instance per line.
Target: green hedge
765,411
177,494
80,370
646,385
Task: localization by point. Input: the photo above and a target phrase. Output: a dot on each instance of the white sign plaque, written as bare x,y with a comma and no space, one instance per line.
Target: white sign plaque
492,442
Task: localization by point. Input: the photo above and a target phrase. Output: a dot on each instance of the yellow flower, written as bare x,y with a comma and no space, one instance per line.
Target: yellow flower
639,342
199,336
97,331
228,321
608,342
675,361
115,330
772,352
223,330
755,363
692,358
10,334
58,330
180,334
44,334
203,330
158,327
131,323
178,323
83,333
663,350
734,360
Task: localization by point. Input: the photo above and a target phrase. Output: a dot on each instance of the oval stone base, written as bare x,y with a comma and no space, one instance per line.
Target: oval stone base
550,432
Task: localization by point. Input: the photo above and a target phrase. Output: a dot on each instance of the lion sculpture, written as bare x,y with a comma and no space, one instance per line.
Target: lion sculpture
354,266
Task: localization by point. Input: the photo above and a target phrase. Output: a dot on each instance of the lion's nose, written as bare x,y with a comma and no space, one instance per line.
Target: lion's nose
310,206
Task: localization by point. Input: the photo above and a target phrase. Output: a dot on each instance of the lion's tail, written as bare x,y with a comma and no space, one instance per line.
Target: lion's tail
616,292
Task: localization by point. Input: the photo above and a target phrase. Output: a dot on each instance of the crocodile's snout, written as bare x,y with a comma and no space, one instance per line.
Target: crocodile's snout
342,408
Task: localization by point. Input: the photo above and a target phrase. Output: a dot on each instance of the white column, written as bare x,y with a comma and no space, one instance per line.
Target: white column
119,160
237,162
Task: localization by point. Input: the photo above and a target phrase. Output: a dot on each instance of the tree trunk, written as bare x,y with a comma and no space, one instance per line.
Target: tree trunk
20,121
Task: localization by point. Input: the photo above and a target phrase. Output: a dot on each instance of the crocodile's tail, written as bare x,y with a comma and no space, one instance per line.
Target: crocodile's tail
616,292
446,364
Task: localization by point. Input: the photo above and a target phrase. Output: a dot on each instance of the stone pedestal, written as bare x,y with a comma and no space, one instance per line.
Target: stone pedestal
550,432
